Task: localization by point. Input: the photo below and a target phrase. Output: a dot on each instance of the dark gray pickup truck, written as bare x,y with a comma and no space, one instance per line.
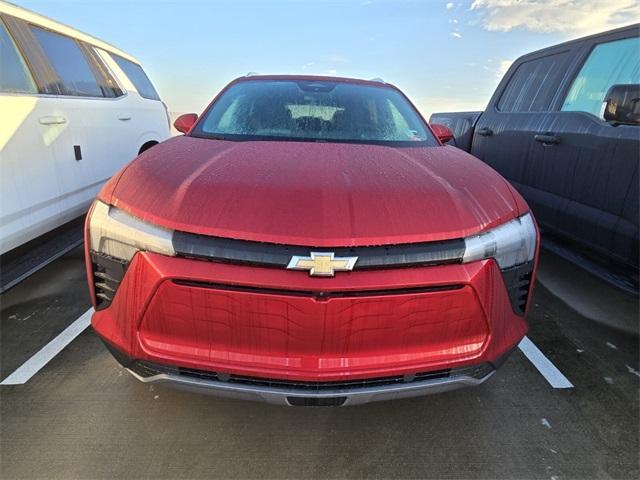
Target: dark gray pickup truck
563,127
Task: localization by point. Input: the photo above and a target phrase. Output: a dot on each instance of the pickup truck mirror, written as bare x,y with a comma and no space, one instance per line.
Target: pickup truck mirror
184,122
443,132
622,104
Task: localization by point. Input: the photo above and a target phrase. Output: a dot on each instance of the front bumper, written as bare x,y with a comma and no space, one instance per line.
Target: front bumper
295,393
329,397
360,327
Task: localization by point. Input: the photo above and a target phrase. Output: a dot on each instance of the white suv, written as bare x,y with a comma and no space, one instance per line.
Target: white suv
73,111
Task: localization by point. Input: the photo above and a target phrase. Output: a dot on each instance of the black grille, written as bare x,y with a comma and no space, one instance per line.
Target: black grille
517,280
316,402
274,255
317,386
319,295
107,275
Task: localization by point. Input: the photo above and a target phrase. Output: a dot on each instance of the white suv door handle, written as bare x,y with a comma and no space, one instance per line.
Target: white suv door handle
124,117
52,120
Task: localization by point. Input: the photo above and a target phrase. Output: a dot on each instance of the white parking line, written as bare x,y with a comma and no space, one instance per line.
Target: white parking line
548,370
29,368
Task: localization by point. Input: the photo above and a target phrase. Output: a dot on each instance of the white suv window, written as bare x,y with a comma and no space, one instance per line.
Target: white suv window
137,76
610,63
14,76
69,62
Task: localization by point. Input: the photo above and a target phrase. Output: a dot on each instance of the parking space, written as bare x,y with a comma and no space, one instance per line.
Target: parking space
83,416
42,306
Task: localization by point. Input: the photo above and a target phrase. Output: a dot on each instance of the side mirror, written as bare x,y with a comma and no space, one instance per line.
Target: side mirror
443,132
622,104
184,122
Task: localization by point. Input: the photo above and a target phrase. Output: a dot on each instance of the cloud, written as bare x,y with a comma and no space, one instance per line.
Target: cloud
449,5
307,65
456,34
504,66
332,71
366,2
500,70
570,17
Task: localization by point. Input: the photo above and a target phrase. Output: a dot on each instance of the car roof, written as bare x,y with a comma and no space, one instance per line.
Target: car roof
48,23
325,78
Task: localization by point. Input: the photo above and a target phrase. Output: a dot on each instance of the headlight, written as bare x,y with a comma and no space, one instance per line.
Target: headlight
510,244
117,234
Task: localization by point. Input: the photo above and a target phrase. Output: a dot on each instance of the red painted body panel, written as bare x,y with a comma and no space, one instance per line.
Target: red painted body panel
301,338
318,195
314,194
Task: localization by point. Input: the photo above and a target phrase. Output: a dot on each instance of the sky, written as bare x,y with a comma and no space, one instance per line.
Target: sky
445,55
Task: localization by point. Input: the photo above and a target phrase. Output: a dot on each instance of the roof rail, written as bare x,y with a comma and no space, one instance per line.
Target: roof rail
377,79
252,74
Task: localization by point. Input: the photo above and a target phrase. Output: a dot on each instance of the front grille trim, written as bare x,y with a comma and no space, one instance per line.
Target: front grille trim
245,252
319,295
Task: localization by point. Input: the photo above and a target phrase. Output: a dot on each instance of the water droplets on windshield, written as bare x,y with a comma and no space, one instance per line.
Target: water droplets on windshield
314,110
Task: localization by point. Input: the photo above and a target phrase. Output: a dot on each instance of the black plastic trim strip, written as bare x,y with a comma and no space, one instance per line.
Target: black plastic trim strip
318,294
278,256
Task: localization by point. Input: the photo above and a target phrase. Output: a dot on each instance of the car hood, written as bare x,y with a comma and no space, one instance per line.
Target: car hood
313,194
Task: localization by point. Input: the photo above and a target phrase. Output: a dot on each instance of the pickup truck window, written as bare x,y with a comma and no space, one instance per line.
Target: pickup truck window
533,84
610,63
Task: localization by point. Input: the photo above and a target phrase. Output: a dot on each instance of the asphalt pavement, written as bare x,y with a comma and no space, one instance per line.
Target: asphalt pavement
83,416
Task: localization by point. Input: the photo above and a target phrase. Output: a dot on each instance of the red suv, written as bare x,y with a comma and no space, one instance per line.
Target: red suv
310,241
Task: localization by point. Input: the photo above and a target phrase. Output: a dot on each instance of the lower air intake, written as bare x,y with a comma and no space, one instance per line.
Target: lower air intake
107,275
517,280
316,402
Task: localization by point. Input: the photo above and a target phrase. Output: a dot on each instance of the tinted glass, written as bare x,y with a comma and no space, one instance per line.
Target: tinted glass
533,85
608,64
106,80
138,77
314,110
69,63
14,76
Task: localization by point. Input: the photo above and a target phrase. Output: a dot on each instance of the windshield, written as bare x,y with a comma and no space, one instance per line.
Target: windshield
314,110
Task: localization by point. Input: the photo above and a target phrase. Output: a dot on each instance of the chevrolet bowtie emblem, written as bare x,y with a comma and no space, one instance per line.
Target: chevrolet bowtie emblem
322,263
